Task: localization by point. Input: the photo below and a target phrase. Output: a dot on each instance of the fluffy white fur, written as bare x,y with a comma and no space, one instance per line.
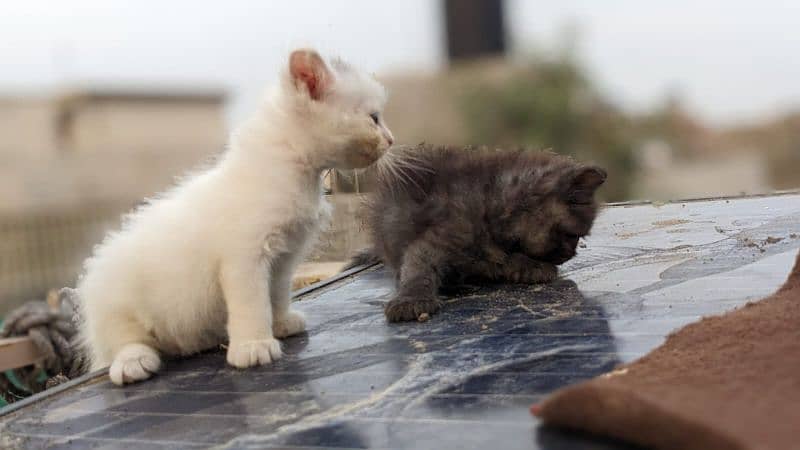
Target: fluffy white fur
212,259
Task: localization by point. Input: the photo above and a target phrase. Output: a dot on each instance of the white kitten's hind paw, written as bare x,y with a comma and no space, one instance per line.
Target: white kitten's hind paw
253,353
290,324
134,362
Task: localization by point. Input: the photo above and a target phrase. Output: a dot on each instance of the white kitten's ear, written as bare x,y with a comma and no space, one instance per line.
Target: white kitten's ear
307,68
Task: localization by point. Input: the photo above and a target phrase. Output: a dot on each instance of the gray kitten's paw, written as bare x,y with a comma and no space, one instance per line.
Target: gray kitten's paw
242,354
290,324
404,308
522,269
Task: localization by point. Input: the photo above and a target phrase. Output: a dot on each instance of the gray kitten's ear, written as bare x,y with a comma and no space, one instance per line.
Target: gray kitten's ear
583,182
309,71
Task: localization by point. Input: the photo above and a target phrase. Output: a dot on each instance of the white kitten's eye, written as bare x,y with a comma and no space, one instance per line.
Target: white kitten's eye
375,118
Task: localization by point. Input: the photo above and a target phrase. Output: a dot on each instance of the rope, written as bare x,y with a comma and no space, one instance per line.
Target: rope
51,325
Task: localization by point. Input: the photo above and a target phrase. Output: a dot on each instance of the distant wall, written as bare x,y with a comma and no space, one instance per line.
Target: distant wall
27,129
130,127
65,151
346,234
742,173
45,250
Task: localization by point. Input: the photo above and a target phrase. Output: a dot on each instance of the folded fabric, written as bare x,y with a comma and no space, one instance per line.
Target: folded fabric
725,382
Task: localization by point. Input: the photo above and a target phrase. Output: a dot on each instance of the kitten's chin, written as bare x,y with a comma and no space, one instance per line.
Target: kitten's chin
561,255
361,159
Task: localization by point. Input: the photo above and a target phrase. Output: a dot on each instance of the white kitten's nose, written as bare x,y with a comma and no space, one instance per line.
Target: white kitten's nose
388,135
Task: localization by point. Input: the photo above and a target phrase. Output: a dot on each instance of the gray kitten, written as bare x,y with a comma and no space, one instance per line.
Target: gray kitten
447,215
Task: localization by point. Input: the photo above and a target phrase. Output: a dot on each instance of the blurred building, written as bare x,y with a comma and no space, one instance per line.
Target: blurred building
58,151
90,122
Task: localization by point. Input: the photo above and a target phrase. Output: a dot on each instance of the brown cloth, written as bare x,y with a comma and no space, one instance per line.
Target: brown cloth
725,382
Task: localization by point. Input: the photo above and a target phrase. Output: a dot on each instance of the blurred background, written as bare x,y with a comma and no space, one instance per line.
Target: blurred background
103,103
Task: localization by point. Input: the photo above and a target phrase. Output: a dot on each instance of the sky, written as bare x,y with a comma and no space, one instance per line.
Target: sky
731,61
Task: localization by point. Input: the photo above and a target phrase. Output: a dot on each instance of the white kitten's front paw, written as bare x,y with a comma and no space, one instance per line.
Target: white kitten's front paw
244,354
135,362
290,324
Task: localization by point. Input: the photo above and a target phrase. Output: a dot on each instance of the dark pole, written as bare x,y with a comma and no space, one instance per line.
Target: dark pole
475,28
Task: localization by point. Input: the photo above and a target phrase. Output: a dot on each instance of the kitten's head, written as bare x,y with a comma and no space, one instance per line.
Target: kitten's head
339,108
558,212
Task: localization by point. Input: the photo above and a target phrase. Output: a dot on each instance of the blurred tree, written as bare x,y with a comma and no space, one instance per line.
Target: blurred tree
551,104
673,124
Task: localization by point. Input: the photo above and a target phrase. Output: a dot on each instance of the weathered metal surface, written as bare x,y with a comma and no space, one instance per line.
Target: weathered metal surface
464,379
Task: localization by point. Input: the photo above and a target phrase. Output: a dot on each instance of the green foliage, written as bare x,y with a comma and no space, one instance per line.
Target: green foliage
552,105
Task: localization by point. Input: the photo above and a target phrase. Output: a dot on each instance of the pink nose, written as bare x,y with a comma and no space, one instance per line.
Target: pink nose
387,135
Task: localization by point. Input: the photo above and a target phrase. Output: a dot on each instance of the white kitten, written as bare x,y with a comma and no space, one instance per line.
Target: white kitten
214,257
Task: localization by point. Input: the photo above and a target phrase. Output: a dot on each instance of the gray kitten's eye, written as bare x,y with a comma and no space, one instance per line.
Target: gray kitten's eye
374,117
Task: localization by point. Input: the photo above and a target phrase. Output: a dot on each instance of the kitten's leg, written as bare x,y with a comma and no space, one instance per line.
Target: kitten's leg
122,344
285,322
245,288
125,343
134,362
519,268
420,277
490,266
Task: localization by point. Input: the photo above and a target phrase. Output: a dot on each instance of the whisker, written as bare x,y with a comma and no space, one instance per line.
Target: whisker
400,166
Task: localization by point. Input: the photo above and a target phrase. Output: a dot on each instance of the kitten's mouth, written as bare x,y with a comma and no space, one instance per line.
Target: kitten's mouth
561,259
561,255
365,157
